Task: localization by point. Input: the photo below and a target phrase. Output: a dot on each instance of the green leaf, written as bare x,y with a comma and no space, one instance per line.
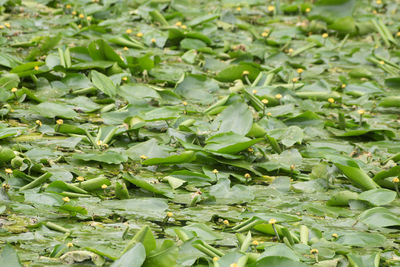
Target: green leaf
229,143
9,257
235,72
277,261
235,118
379,217
53,110
357,175
186,156
378,197
109,157
134,257
163,256
197,88
103,83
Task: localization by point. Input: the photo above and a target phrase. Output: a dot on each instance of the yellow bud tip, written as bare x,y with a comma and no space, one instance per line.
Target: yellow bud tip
264,34
184,27
215,258
238,8
215,171
272,221
143,157
343,86
325,35
80,179
255,243
234,265
361,111
271,8
179,23
378,2
70,245
254,91
265,101
153,40
314,251
68,6
278,96
184,103
99,143
89,18
295,79
125,78
170,214
60,121
334,235
128,31
66,199
104,186
8,25
1,27
250,149
73,13
126,48
290,50
396,180
382,62
292,167
269,114
13,90
331,100
79,26
139,34
36,67
81,16
300,70
38,122
398,34
9,171
308,10
245,73
247,175
6,186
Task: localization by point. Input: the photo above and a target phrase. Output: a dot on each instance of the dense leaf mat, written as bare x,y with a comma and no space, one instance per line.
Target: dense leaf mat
199,133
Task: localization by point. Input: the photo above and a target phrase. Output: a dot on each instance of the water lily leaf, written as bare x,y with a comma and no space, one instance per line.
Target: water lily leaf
235,118
379,217
52,110
378,197
197,88
203,231
186,156
163,113
277,261
9,257
280,250
140,182
163,256
360,239
357,175
132,258
224,194
103,83
72,257
229,143
292,135
369,260
150,149
109,157
235,72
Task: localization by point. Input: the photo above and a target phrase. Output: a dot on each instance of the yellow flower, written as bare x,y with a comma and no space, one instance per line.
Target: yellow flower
292,167
104,186
271,8
124,79
331,100
255,243
382,62
8,25
308,10
184,27
250,149
247,175
70,245
1,27
290,50
68,6
89,18
139,34
325,35
215,171
169,214
398,34
272,221
361,111
178,23
264,34
334,235
36,67
80,179
314,251
9,171
254,91
395,180
378,2
234,265
126,48
278,96
6,186
215,258
73,13
295,79
59,121
245,72
300,70
128,31
265,101
81,16
14,90
269,114
343,85
143,157
38,122
184,103
66,199
99,143
153,40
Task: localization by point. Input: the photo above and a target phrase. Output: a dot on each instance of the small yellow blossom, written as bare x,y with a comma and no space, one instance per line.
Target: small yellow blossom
264,34
269,114
70,245
314,251
378,2
343,85
153,40
238,8
36,67
143,157
234,265
398,34
245,72
272,221
126,48
8,25
179,23
6,186
361,111
382,62
73,13
80,179
81,16
1,27
185,103
14,90
38,122
255,243
215,171
325,35
128,31
308,10
68,6
125,78
334,235
59,121
295,79
9,171
104,186
254,91
169,214
226,222
331,100
89,18
184,27
139,34
247,175
290,50
300,70
66,199
265,101
278,96
215,259
395,180
271,8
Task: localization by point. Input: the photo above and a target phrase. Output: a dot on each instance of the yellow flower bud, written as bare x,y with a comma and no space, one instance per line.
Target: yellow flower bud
9,171
271,8
265,101
215,171
361,111
325,35
143,157
139,34
247,175
81,16
246,72
66,199
314,251
59,121
80,179
300,70
128,31
104,186
36,68
334,235
70,245
14,90
278,96
169,214
331,100
395,180
308,10
272,221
